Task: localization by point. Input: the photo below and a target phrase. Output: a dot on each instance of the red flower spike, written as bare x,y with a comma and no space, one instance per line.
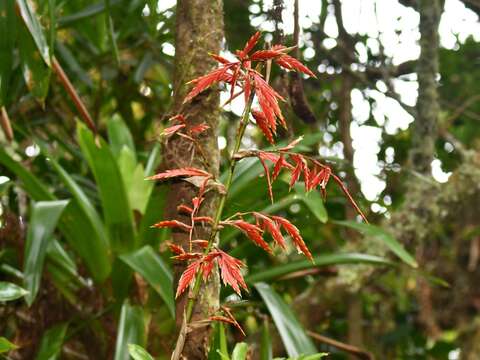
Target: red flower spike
176,249
205,219
184,209
290,63
220,59
279,164
198,129
230,271
297,171
268,100
205,81
262,123
172,129
171,224
273,228
265,55
202,243
293,231
187,256
253,232
187,171
249,45
188,277
207,268
270,156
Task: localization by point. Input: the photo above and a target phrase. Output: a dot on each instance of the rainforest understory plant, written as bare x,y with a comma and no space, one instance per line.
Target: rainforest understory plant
248,75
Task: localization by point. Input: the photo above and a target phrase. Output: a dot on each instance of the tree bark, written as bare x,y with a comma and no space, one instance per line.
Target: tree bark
199,30
425,125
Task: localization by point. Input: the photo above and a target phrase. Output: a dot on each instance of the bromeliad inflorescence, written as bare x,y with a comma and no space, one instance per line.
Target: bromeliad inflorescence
244,76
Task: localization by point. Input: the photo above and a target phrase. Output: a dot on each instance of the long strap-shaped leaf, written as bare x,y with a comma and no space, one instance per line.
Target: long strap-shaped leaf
151,266
131,330
115,204
293,336
321,260
43,221
379,233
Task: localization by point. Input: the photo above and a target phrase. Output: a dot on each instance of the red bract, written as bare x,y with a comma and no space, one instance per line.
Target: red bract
172,224
242,54
253,232
187,256
176,249
230,271
204,82
188,277
265,55
184,209
187,171
264,125
268,100
198,129
293,231
290,63
172,129
271,227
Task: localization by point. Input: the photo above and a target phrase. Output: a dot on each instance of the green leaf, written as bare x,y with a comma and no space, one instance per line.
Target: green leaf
266,352
119,135
153,269
9,291
6,346
321,260
138,353
8,27
294,338
313,200
52,342
240,351
43,221
133,175
35,72
153,159
87,12
218,346
154,211
384,236
80,218
34,28
131,330
115,204
35,188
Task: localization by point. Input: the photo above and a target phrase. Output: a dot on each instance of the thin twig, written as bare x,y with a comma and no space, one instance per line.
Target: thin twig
65,81
5,123
360,353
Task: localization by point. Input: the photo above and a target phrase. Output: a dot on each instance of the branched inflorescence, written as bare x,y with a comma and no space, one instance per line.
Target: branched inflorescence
243,78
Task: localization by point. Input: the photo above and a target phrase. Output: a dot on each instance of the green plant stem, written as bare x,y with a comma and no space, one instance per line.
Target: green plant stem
221,205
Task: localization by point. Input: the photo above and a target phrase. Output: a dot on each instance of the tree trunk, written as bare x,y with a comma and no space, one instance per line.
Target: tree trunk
199,30
425,125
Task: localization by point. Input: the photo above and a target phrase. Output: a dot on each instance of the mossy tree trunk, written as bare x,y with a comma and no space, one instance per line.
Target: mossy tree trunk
199,30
